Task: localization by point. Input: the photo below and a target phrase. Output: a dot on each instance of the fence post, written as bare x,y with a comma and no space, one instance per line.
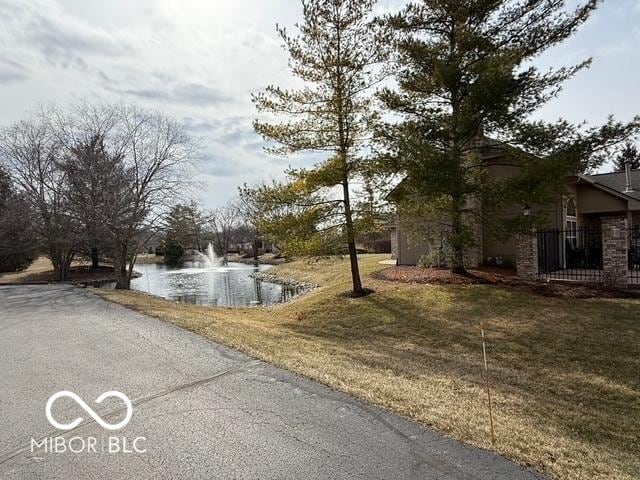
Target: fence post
527,255
615,244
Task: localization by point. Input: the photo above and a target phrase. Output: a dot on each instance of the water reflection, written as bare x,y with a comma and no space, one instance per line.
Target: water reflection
229,285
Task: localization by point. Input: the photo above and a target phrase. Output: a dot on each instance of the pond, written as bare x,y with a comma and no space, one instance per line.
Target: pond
228,285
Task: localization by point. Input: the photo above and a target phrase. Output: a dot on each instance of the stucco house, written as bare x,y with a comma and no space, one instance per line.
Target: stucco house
572,237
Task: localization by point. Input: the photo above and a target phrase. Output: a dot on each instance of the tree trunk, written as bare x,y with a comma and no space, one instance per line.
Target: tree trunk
132,264
58,273
457,261
122,279
358,291
255,249
61,261
457,247
123,282
95,258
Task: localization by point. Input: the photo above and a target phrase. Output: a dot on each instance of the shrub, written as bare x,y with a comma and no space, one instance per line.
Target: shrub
438,258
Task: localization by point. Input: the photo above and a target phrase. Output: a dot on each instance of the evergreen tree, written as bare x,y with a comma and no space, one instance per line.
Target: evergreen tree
628,153
18,236
464,70
184,229
93,175
173,253
335,56
185,226
298,222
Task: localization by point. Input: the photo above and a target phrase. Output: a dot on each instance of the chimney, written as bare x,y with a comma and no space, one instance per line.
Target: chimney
627,168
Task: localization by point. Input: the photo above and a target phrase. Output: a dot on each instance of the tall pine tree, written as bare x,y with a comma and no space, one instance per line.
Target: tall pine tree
465,74
335,55
628,154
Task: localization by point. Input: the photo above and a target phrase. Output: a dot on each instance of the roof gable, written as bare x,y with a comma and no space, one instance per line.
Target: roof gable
632,198
618,181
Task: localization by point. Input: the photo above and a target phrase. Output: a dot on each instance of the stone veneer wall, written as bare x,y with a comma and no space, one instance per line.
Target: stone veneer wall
615,246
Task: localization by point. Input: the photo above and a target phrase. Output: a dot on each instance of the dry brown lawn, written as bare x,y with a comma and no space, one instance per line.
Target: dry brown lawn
41,271
565,372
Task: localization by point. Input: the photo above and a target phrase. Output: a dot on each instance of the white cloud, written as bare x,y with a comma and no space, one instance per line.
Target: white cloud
199,60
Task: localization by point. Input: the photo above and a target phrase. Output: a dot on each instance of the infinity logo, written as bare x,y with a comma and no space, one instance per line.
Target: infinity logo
89,410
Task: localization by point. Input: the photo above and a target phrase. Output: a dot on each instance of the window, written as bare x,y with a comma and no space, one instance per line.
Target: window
571,223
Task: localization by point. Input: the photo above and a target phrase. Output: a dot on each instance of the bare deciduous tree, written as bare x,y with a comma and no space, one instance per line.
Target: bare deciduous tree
157,154
99,172
223,221
31,153
249,212
143,157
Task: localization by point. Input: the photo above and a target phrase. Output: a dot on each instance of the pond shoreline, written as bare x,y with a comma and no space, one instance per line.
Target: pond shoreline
229,285
285,282
266,259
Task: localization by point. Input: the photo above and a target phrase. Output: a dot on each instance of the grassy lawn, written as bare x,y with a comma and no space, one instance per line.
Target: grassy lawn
39,266
565,372
41,271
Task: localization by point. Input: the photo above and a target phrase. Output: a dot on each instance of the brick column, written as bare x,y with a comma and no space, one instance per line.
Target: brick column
615,244
527,255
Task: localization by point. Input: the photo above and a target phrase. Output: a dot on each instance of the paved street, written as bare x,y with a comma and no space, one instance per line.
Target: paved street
207,412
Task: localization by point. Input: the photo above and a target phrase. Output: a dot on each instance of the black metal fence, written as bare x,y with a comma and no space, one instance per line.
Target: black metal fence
634,255
571,254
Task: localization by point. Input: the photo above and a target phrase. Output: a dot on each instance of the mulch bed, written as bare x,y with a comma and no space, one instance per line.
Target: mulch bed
500,277
406,274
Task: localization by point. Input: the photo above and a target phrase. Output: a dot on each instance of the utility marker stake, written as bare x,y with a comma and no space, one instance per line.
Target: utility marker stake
486,378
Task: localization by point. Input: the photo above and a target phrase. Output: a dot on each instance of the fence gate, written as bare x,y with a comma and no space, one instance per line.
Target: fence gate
571,254
549,258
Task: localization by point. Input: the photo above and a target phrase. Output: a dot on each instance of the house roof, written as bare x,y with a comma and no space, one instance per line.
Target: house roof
614,183
618,181
617,189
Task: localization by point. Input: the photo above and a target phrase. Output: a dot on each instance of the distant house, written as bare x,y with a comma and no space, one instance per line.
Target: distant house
572,238
245,247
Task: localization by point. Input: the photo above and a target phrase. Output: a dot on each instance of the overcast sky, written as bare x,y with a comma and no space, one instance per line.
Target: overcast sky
199,60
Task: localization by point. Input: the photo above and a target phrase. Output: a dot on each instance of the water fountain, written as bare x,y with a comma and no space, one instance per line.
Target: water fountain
210,259
210,280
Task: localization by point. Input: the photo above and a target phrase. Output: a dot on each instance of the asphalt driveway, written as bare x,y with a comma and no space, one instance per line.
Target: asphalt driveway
205,411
